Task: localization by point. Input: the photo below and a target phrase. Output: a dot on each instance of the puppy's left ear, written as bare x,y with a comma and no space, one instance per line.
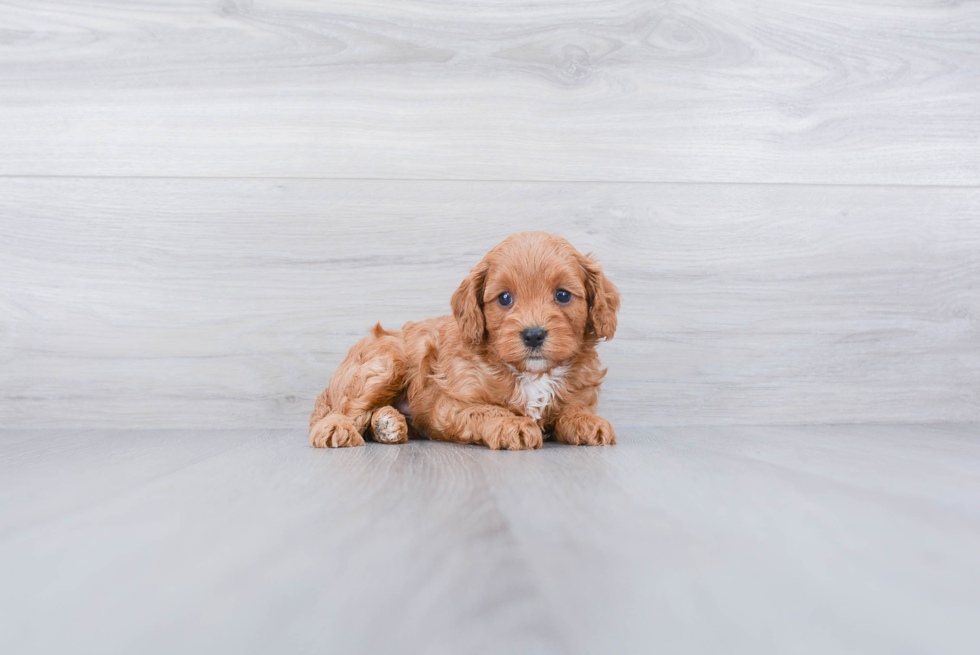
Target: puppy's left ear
603,297
467,305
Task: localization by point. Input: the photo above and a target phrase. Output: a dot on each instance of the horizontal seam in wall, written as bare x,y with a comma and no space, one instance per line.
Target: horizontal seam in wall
491,181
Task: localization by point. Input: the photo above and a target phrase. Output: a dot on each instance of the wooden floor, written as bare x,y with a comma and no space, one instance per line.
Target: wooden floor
848,539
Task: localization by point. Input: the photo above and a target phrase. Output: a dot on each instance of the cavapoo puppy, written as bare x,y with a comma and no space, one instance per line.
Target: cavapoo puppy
514,364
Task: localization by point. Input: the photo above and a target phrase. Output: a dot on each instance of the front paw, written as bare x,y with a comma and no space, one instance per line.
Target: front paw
514,433
335,431
583,429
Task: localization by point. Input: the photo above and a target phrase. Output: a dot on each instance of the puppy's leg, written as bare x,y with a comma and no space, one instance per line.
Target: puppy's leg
579,425
371,376
388,425
490,425
322,406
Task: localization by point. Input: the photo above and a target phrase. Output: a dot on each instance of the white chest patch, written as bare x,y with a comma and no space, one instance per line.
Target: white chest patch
537,390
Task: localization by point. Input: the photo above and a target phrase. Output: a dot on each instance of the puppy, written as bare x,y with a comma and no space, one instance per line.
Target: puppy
515,362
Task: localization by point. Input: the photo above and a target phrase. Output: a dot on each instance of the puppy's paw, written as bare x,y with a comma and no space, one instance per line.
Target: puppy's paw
514,433
389,426
335,431
582,429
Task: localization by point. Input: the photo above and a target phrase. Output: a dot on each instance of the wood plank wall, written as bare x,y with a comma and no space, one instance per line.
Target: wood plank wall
203,204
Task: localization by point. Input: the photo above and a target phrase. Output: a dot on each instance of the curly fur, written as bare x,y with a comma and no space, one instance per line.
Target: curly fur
468,377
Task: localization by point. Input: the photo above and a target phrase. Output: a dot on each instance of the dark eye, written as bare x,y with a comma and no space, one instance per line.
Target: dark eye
505,299
563,297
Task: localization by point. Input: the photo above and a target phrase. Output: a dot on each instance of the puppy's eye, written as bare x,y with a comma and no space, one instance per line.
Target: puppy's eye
563,297
505,299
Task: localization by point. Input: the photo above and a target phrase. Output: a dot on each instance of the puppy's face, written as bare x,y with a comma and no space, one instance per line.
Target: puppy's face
536,301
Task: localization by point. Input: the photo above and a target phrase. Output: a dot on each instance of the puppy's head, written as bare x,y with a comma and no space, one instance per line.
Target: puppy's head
536,301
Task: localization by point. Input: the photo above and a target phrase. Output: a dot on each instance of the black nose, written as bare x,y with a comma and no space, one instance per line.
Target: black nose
533,337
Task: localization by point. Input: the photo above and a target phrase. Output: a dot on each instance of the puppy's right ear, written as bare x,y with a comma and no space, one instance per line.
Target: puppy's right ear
468,305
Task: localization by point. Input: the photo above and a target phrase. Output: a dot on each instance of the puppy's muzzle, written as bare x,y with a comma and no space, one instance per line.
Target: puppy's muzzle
533,337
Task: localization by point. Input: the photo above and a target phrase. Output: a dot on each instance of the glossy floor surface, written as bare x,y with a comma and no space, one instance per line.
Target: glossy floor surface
702,540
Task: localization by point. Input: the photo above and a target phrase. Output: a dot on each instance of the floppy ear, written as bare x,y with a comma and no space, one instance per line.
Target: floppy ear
603,297
467,305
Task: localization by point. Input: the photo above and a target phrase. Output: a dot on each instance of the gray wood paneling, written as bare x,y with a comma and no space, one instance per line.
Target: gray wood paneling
679,540
227,303
777,263
719,91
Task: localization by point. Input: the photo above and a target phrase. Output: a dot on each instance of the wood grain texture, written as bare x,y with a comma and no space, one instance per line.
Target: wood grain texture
228,303
720,91
695,540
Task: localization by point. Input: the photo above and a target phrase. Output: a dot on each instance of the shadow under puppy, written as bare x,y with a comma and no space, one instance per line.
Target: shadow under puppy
516,361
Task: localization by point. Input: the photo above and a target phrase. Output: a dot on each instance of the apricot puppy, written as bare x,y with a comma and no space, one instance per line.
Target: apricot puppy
514,364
